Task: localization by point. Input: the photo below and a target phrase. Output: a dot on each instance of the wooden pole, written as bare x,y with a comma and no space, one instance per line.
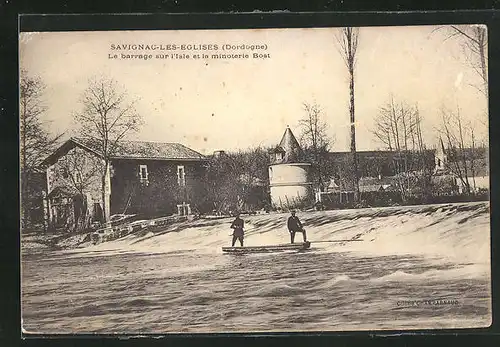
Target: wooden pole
336,241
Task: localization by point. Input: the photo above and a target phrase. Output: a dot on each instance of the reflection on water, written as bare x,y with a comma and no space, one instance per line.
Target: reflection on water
188,292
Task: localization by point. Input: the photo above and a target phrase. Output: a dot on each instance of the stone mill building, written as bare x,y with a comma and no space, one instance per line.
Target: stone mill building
289,172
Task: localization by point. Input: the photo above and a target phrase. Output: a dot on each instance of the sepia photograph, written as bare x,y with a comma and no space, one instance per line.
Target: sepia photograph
254,180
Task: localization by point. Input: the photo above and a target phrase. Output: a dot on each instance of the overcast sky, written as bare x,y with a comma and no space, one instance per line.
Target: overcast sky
232,104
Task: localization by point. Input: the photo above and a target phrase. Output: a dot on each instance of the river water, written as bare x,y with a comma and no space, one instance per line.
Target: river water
161,285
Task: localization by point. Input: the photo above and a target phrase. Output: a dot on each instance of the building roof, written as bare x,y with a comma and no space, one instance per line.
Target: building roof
277,149
375,154
377,181
131,150
373,188
290,147
156,150
288,142
373,184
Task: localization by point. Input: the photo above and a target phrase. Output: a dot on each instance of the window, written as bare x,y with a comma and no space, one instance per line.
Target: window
143,173
279,156
183,209
181,176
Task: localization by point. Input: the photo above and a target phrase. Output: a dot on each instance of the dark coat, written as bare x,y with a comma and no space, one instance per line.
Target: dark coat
238,225
294,224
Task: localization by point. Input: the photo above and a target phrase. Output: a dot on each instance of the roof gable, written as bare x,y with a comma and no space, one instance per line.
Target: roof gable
277,149
63,149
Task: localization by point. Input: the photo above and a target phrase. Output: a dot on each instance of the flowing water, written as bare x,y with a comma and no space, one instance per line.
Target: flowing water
415,268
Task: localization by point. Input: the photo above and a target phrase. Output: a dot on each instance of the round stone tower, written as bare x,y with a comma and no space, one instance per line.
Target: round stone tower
289,173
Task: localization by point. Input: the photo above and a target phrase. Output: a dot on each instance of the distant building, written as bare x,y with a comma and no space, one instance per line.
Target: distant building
382,163
289,172
449,172
463,166
146,178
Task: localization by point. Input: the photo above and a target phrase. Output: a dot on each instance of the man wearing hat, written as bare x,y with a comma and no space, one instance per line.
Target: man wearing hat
238,233
294,225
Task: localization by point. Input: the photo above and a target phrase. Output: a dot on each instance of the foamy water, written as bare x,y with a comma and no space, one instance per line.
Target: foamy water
181,282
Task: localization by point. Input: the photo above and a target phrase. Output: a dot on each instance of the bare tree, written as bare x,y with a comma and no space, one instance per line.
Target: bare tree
253,176
426,163
315,141
398,127
460,143
79,172
348,44
106,118
474,43
35,141
237,180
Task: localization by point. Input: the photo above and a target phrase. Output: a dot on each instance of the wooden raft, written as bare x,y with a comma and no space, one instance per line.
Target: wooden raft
269,248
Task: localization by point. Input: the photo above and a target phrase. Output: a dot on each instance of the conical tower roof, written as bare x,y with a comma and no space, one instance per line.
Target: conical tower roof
293,151
288,142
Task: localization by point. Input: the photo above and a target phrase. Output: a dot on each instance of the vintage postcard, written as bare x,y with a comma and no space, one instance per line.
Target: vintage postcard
264,180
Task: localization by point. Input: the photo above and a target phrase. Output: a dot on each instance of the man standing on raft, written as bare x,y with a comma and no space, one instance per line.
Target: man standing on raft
237,226
294,225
